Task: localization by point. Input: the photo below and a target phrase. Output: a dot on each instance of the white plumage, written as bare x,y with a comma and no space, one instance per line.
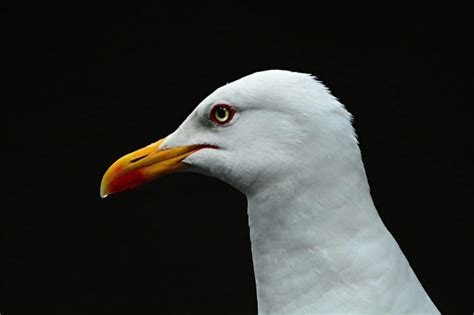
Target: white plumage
318,243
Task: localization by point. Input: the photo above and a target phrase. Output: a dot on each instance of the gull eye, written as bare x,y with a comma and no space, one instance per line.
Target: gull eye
222,114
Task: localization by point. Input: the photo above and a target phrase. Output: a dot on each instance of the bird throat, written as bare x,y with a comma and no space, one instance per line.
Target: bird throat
319,243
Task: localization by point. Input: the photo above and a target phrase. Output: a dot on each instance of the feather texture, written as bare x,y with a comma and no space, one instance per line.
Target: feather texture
318,243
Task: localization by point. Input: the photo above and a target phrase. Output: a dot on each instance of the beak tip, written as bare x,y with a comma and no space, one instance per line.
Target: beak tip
103,191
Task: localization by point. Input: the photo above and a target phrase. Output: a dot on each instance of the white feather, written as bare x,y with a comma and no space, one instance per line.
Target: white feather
318,243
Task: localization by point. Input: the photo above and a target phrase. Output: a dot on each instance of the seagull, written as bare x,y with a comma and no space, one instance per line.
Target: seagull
318,243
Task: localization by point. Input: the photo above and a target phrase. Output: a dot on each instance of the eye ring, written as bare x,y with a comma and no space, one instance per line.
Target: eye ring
221,114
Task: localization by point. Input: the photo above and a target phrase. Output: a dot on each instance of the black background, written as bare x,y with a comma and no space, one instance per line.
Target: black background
91,84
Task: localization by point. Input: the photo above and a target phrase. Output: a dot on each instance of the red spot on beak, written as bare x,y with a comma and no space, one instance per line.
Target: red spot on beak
127,181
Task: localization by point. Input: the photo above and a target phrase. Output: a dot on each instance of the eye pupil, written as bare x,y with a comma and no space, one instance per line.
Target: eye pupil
222,113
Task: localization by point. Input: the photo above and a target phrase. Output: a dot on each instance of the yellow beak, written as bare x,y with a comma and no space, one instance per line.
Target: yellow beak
144,165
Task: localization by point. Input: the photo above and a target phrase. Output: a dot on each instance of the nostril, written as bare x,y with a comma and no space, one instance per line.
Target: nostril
138,158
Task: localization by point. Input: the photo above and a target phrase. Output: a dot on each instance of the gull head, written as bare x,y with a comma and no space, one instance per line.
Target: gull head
250,133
